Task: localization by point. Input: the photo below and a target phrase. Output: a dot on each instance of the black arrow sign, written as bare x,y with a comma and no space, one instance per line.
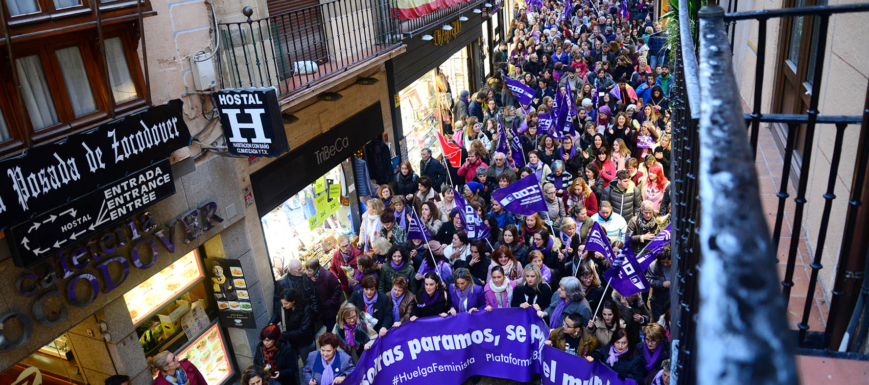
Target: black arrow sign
58,229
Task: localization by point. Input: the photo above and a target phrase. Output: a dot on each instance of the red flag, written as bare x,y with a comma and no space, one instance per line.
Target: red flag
451,151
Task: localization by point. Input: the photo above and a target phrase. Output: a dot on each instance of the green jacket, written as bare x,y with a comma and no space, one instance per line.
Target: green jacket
388,273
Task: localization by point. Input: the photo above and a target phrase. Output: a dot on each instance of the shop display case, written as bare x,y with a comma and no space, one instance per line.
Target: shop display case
164,287
210,355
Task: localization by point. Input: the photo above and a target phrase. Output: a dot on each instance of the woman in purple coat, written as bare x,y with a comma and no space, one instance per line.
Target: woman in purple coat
464,295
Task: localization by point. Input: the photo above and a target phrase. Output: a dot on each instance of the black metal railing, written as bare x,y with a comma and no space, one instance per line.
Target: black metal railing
737,331
295,50
413,27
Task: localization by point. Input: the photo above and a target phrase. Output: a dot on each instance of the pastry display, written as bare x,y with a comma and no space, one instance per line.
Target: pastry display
164,286
208,353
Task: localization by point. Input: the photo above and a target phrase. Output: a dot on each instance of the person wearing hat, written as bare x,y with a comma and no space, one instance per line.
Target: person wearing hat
472,193
460,107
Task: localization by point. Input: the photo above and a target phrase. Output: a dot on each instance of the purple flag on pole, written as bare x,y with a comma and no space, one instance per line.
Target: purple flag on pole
645,142
416,229
627,278
516,147
544,122
523,93
598,241
624,10
655,247
502,137
523,127
471,222
524,196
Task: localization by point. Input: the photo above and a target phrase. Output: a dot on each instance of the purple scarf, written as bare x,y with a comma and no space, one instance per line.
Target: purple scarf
538,169
555,317
401,218
561,153
396,315
349,338
429,300
394,266
651,359
614,356
328,373
546,249
369,304
658,377
462,296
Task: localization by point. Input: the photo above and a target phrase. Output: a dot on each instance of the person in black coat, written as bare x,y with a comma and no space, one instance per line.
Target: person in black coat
448,229
432,299
533,292
406,181
477,262
295,278
379,304
622,357
296,319
433,169
276,356
329,293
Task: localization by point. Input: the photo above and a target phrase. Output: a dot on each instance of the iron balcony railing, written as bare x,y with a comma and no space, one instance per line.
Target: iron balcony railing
295,50
729,316
440,17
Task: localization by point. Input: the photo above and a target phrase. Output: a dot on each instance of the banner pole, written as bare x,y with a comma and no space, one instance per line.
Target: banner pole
609,282
424,229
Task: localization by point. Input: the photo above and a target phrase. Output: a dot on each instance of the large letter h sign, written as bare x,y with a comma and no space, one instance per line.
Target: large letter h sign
257,125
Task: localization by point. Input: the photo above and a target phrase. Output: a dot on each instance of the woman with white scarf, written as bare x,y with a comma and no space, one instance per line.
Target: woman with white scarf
499,290
370,228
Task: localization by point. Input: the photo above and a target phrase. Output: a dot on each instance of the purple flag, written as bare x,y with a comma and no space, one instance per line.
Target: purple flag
598,241
567,9
571,102
504,343
655,247
416,229
523,127
502,137
545,122
624,10
523,93
524,196
471,222
626,276
645,141
516,147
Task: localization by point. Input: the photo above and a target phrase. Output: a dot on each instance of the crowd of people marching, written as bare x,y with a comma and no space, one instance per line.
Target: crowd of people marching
579,101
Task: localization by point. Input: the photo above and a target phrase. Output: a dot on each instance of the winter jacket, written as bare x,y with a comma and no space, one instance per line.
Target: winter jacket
556,211
460,109
578,307
388,274
405,308
561,182
587,342
406,185
363,334
638,227
608,170
492,174
590,202
665,355
476,109
301,283
492,299
625,202
627,314
435,171
615,226
286,363
342,365
469,172
441,304
523,293
382,308
297,325
476,299
194,377
335,267
657,274
504,219
329,294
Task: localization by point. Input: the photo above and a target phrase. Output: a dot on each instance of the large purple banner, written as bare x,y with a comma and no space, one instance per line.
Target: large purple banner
506,343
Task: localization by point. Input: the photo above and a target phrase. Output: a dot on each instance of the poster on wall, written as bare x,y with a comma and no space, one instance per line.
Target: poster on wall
252,123
230,290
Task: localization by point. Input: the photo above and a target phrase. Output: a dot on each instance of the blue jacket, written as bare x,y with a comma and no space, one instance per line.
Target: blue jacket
475,109
664,83
565,59
342,366
475,299
656,43
434,170
645,93
504,219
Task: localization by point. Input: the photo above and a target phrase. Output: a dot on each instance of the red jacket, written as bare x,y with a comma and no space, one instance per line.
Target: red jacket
193,375
608,171
470,173
338,262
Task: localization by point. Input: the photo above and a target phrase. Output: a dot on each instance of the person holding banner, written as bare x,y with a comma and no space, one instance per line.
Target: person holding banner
459,249
374,304
654,346
432,300
622,357
571,338
399,265
400,301
569,299
498,292
532,292
354,333
327,366
465,296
